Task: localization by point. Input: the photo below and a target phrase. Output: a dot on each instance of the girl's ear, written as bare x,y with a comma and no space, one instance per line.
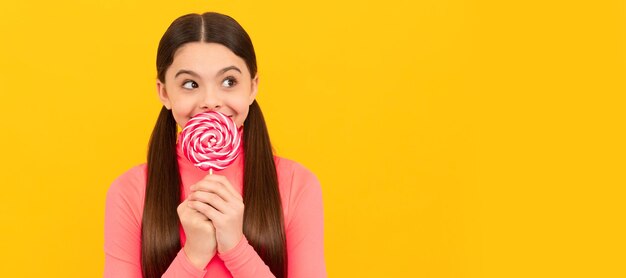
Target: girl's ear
163,96
254,89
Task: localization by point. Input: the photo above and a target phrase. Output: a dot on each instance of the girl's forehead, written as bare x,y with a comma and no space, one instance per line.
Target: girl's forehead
207,57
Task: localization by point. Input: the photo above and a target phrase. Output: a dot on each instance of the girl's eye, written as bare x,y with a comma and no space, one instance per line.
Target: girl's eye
229,82
190,85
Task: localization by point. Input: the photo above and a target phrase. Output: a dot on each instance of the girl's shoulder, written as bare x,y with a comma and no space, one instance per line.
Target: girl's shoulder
287,168
124,206
300,190
130,185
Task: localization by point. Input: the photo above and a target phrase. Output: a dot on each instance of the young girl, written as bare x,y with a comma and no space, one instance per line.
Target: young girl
260,217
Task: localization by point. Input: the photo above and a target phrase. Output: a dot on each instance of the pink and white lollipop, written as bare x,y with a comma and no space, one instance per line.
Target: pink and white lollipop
211,141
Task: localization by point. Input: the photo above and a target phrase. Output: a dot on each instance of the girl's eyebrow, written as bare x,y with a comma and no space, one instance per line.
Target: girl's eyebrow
227,69
192,73
183,71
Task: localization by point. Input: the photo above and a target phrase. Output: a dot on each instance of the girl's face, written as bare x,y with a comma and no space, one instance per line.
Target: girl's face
207,77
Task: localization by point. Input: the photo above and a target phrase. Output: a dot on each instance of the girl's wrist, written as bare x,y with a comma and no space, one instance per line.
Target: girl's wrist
230,246
197,259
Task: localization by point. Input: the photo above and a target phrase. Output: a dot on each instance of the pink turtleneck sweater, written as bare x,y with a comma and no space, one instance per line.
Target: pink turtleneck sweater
301,197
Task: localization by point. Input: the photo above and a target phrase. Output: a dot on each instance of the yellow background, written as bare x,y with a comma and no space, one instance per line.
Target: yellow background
452,138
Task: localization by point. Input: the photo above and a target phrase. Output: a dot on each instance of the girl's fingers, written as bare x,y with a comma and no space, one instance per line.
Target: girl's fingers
213,187
219,185
224,182
205,209
209,198
191,212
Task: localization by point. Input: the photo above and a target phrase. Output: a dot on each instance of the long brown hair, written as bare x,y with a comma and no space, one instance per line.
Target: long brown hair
263,223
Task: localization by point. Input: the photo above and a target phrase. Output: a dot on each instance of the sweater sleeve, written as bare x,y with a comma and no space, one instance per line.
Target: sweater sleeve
243,262
122,231
122,228
304,231
305,228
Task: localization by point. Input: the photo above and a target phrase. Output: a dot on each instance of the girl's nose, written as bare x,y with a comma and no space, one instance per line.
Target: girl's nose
211,100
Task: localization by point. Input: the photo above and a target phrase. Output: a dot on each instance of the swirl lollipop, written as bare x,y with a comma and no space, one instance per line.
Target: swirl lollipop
210,140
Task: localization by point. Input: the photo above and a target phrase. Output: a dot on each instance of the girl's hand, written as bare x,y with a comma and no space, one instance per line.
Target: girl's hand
201,245
216,199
